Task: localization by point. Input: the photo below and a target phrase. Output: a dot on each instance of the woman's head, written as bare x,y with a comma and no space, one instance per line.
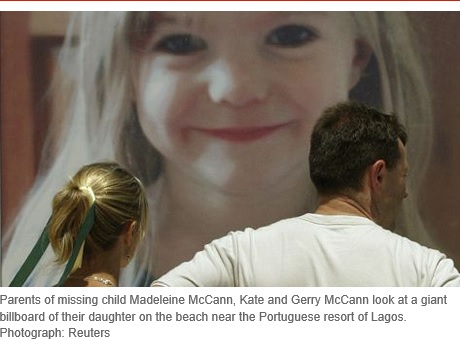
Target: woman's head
120,211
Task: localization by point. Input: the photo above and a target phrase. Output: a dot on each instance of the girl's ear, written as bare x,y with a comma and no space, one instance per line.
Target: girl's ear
363,54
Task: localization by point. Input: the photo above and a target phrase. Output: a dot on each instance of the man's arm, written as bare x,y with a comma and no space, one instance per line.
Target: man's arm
211,267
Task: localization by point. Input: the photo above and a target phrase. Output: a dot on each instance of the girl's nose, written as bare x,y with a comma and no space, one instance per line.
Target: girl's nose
236,83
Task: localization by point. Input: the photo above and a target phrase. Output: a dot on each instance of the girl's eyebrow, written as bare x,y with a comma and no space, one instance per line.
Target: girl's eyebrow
291,13
173,18
162,17
188,17
197,19
269,17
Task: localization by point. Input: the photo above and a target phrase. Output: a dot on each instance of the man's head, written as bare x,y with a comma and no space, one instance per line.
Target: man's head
354,149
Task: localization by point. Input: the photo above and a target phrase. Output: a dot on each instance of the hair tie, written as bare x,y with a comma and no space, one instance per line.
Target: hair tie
89,190
41,245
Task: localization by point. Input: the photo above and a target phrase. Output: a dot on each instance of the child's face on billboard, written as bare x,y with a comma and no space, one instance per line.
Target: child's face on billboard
231,97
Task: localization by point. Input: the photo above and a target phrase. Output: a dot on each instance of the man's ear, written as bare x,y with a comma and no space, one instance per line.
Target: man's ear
377,173
363,55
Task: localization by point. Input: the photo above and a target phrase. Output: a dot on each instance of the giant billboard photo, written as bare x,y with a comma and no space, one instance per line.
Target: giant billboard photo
213,111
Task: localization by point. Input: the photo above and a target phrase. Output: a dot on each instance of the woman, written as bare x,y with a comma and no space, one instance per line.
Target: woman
101,215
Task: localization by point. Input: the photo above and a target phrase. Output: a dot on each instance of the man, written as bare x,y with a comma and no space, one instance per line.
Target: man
358,164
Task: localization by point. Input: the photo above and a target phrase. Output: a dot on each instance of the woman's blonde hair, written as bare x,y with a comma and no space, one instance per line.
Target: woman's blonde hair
118,197
101,121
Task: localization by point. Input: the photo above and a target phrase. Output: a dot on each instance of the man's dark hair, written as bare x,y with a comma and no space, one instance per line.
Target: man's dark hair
348,138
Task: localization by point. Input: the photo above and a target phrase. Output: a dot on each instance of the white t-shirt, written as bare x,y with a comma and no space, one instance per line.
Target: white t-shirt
315,250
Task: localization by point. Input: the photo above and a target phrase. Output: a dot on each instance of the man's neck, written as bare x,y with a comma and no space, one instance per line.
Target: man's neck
343,205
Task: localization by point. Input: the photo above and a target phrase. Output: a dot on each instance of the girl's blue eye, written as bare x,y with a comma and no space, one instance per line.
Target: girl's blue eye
180,44
291,36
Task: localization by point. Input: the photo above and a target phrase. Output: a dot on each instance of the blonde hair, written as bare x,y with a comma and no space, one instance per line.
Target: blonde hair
101,121
118,197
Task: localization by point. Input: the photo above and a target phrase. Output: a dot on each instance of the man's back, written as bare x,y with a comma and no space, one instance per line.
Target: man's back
315,250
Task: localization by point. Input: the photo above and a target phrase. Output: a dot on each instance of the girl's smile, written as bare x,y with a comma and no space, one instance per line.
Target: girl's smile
242,134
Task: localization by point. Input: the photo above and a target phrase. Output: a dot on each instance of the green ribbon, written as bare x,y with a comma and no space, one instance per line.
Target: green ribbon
40,247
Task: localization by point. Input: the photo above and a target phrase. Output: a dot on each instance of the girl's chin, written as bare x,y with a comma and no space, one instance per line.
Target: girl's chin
244,182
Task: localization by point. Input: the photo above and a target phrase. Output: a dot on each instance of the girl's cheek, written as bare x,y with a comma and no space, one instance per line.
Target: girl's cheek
156,90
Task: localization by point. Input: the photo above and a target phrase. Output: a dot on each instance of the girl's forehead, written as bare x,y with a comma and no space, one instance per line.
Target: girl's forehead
223,18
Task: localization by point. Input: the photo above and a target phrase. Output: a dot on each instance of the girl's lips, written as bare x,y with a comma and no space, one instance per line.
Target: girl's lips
241,135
